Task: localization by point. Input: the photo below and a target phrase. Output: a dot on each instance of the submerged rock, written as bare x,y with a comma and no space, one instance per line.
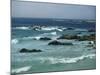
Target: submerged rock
55,42
90,45
24,50
45,38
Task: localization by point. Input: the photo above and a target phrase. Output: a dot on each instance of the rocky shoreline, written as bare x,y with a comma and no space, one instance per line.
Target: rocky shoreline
91,37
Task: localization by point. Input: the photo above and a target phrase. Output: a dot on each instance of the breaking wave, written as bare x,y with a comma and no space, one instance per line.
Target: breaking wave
14,41
51,33
52,28
22,69
22,28
40,36
52,60
48,28
40,29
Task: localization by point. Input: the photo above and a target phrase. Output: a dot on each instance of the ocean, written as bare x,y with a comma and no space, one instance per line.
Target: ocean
26,33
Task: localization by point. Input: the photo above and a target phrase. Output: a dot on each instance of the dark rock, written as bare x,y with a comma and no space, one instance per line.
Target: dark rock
55,42
90,43
45,38
91,37
36,28
70,28
69,37
24,50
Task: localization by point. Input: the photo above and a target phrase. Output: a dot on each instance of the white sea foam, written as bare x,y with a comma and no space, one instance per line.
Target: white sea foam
21,28
53,60
60,30
49,28
42,28
27,38
37,37
22,69
14,41
46,34
53,33
31,37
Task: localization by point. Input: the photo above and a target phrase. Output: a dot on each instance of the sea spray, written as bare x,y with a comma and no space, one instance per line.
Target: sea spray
14,41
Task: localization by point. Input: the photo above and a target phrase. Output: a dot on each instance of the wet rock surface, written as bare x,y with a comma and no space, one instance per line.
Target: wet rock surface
55,42
24,50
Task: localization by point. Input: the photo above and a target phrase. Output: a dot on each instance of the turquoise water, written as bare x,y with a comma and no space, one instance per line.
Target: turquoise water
52,58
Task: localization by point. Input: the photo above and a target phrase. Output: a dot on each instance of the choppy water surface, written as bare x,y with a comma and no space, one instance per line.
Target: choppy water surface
52,58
